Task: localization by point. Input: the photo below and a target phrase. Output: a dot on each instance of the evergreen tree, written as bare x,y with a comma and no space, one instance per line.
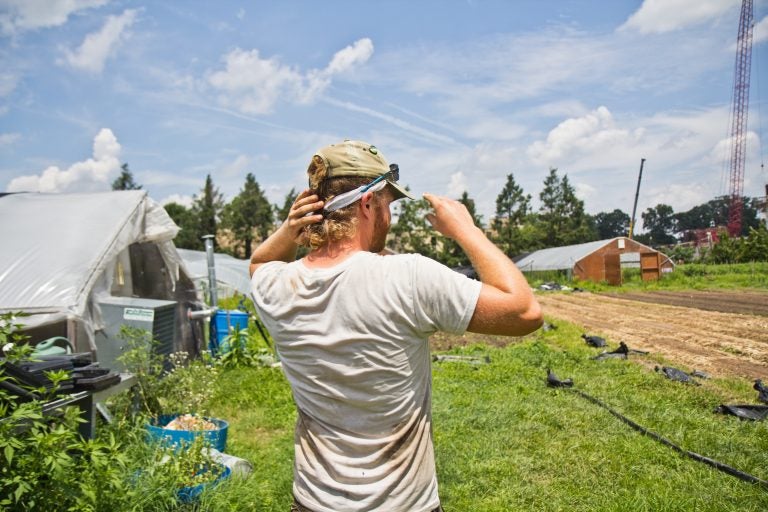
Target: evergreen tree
281,212
125,180
205,211
562,218
512,208
412,233
248,213
452,254
186,238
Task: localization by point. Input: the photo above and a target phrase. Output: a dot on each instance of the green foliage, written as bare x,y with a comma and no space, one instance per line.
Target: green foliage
659,223
753,247
281,212
611,224
562,219
242,348
248,212
186,387
715,213
187,237
512,209
204,214
412,233
125,181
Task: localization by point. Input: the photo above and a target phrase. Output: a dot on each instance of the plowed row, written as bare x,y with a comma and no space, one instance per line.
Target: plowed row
709,332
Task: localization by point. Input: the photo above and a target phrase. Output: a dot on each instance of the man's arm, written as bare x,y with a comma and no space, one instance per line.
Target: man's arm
506,304
283,243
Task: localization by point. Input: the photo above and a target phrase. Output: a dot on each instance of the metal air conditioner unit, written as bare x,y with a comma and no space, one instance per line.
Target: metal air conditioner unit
156,316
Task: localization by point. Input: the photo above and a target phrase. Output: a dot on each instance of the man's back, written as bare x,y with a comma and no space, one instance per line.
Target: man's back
352,340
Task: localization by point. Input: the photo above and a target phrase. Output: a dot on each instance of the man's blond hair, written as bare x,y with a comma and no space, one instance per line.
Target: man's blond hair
337,225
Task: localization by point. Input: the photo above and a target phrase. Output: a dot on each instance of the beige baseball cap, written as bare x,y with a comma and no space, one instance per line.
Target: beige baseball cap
358,158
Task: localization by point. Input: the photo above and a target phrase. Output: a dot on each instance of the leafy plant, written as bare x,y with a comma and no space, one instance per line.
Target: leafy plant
186,386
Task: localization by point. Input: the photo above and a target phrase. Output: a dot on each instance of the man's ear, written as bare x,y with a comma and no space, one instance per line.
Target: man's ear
366,202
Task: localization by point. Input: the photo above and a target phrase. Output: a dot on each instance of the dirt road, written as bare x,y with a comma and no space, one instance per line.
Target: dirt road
702,331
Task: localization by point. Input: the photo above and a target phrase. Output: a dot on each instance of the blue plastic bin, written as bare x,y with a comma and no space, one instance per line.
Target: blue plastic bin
180,438
223,323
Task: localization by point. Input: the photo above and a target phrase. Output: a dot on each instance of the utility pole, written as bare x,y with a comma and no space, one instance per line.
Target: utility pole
634,207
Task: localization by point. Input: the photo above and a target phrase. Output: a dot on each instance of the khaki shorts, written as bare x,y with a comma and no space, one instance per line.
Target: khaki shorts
298,507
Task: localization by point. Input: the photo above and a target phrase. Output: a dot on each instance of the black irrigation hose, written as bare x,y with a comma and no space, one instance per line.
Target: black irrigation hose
695,456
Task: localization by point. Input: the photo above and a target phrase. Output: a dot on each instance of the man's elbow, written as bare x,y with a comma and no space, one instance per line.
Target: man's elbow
531,319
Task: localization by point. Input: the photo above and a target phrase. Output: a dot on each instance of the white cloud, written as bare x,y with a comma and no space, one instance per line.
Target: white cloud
589,133
659,16
183,200
760,31
88,175
8,82
21,15
97,47
237,166
254,85
8,139
457,185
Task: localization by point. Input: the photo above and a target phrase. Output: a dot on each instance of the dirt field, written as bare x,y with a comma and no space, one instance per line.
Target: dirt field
703,332
721,333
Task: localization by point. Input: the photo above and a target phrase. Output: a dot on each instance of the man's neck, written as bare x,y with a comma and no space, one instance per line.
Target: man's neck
332,254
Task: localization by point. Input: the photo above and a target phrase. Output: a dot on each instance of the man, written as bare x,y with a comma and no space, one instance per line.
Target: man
351,328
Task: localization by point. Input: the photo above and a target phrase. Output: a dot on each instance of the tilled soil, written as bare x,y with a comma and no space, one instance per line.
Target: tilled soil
721,333
704,335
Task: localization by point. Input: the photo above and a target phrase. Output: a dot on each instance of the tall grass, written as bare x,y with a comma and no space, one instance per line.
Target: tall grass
505,441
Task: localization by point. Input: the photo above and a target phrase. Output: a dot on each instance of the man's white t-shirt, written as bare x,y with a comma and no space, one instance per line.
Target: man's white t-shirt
353,344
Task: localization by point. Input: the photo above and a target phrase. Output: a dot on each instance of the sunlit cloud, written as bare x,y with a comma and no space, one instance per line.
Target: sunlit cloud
88,175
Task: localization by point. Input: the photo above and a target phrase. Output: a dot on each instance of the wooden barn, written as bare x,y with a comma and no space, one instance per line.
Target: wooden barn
599,261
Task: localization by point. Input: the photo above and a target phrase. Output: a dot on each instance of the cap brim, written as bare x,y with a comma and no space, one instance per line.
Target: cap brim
399,191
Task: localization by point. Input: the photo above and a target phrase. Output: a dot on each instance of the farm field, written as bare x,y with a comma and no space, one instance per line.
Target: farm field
702,330
718,332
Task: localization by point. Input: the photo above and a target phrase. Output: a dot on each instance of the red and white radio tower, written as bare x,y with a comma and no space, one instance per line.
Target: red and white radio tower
739,117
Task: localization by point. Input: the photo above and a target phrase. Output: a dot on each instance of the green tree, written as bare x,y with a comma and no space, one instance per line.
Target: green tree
562,219
187,237
715,213
205,210
512,209
412,233
281,212
659,223
248,212
611,224
125,180
452,254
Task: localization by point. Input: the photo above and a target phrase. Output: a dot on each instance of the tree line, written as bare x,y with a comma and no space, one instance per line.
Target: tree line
516,228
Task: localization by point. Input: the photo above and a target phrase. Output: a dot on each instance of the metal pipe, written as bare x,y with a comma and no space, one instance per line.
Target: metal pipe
637,193
203,313
211,271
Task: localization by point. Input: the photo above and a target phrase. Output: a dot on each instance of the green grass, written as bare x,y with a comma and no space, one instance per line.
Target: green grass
691,276
505,441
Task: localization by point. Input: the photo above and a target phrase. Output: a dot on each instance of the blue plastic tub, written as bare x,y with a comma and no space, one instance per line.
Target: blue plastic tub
190,494
178,438
223,323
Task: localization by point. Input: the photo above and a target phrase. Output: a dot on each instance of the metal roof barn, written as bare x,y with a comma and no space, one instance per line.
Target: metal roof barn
598,261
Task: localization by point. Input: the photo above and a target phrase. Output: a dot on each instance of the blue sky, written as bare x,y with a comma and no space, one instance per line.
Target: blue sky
458,93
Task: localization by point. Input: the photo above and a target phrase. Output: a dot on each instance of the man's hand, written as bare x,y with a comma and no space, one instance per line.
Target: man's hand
306,202
451,218
282,244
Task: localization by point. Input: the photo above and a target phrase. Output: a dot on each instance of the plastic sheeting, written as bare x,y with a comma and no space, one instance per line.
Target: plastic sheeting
231,272
55,248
